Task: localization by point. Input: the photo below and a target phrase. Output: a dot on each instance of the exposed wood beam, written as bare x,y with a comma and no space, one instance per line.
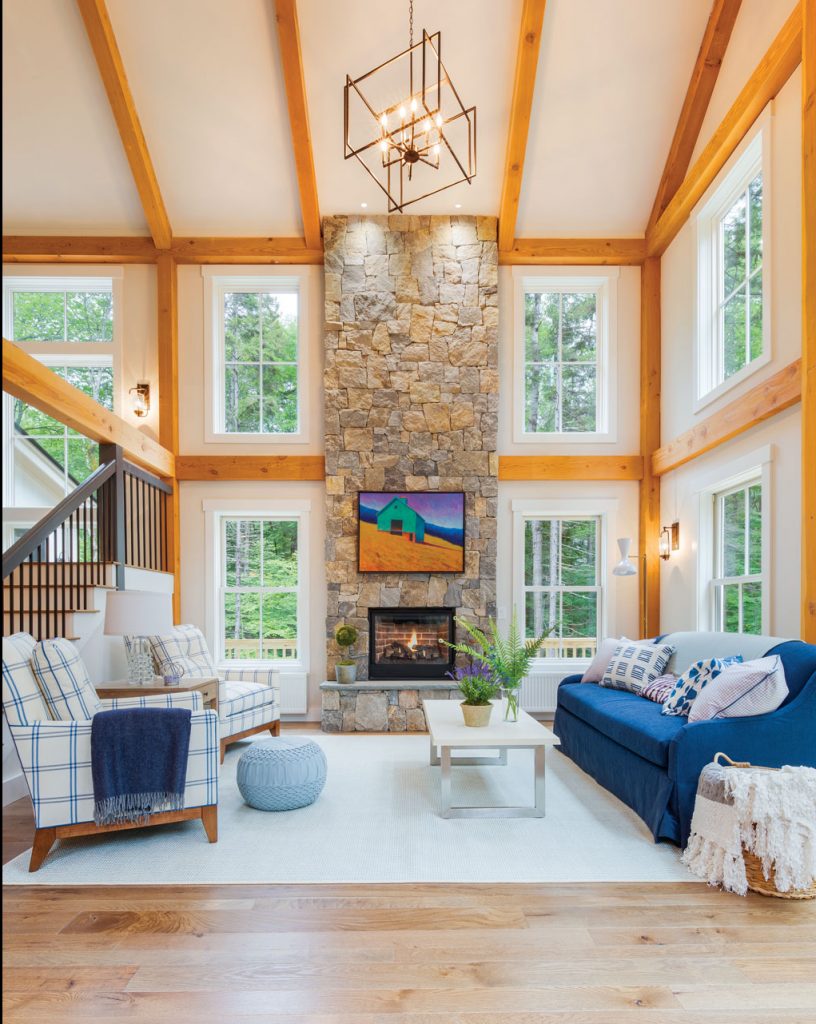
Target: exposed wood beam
112,71
250,467
292,60
589,252
532,20
570,467
78,249
649,503
808,623
701,86
245,250
27,379
775,68
766,399
167,323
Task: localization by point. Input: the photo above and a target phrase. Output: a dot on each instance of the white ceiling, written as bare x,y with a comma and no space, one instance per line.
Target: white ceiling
207,82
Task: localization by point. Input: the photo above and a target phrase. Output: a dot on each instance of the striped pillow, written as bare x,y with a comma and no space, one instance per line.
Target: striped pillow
64,681
753,688
634,666
660,690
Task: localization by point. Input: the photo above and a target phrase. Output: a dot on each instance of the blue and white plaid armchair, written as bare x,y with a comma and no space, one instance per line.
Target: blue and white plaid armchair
56,755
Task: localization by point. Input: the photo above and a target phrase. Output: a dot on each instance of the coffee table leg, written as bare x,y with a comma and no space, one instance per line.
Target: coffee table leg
434,759
539,780
446,781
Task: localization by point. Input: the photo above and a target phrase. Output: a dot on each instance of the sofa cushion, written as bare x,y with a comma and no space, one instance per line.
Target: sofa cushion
692,646
635,665
185,642
22,700
741,691
692,682
234,697
64,681
624,717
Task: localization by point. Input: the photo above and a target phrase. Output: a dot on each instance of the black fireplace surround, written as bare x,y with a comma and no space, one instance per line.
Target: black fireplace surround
406,643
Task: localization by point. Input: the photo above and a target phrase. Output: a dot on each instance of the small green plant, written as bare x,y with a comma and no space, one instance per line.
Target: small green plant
476,684
346,636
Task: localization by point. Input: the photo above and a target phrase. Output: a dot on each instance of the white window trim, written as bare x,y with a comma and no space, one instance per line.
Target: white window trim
217,280
217,509
57,278
754,154
604,282
757,466
605,509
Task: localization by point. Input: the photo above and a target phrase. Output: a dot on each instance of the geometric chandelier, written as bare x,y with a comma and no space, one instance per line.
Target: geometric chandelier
405,123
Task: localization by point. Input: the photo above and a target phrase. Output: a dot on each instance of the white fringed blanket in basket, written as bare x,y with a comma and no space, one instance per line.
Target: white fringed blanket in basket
769,813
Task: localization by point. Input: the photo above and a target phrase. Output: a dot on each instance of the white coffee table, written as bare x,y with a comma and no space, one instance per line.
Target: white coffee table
448,732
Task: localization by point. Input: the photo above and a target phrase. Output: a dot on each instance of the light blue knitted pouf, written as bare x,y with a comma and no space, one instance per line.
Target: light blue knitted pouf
282,774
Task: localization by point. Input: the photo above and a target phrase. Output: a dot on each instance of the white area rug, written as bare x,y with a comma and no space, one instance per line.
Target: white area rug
377,820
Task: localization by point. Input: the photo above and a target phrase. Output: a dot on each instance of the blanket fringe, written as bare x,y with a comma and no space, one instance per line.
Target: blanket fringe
135,808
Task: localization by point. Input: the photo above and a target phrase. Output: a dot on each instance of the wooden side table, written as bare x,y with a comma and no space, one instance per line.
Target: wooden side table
207,686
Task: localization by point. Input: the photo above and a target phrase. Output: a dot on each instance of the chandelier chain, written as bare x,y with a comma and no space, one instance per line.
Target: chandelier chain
410,23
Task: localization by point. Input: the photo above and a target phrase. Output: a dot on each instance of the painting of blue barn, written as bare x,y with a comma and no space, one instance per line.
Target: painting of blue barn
420,531
398,517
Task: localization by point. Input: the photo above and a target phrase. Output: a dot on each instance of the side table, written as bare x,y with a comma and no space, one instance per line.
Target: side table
207,686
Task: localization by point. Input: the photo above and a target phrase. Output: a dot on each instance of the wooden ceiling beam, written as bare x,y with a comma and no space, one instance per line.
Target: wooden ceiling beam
112,71
245,250
701,86
532,20
570,467
292,60
250,467
78,249
589,252
780,61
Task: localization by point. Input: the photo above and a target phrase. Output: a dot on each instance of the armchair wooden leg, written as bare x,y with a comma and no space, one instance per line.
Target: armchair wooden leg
275,728
223,750
209,818
44,839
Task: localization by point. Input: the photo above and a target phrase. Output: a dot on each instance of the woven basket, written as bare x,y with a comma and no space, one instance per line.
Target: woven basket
753,864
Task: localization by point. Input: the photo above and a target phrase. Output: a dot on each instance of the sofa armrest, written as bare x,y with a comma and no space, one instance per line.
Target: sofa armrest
56,762
567,680
190,699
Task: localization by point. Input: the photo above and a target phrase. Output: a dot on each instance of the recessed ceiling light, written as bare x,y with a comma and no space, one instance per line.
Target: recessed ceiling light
364,205
458,206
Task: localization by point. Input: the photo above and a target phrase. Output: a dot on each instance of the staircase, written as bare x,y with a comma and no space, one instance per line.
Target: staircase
46,598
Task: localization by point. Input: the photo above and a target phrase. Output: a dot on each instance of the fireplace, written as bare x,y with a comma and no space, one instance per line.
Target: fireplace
406,643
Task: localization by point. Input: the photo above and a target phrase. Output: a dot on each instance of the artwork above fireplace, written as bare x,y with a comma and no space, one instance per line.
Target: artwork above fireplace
407,643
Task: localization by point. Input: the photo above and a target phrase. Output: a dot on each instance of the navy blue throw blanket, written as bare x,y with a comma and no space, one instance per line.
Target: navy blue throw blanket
139,763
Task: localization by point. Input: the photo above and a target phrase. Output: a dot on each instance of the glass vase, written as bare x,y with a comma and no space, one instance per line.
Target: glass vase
511,704
140,662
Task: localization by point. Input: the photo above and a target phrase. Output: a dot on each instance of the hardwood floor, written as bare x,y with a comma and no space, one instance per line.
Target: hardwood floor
402,954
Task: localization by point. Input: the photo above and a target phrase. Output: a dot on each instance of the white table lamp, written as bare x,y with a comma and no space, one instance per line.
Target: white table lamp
141,613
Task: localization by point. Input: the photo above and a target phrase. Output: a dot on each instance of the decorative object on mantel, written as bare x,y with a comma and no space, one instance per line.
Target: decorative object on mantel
415,146
755,828
143,614
478,688
346,637
411,532
507,657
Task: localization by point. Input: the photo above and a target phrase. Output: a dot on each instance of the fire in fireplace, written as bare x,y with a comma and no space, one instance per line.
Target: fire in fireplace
406,643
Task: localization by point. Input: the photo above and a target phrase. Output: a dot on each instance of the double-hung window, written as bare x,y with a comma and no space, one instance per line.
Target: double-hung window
733,335
563,373
255,357
739,581
69,324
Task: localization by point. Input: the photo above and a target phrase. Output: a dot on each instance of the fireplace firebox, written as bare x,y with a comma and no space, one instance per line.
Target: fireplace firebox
406,643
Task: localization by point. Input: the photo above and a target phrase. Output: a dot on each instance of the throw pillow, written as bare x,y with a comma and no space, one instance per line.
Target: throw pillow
184,667
64,681
691,683
603,655
753,688
634,666
660,690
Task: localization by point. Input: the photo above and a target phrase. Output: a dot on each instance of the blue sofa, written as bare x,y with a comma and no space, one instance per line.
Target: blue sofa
652,761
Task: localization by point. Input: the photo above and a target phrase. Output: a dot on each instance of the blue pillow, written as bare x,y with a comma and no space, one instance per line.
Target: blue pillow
692,681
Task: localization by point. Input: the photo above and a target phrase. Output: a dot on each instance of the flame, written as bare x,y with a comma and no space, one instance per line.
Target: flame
413,641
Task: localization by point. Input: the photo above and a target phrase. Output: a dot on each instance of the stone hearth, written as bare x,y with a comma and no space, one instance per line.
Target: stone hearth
380,706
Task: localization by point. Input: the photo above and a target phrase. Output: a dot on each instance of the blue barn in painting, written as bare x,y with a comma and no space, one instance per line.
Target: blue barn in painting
398,517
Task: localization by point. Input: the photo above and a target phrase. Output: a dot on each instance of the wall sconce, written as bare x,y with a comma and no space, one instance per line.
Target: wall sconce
141,399
669,540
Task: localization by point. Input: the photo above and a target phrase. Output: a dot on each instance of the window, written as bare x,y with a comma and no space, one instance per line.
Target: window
255,364
562,365
738,582
69,324
733,287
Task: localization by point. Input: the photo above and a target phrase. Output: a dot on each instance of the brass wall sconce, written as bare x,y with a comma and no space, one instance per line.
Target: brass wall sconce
140,396
669,540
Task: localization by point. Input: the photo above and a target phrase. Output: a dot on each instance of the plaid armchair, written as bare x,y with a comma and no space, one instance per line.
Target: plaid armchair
56,755
248,699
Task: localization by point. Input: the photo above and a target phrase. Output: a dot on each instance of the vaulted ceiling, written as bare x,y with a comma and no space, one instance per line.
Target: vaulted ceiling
207,82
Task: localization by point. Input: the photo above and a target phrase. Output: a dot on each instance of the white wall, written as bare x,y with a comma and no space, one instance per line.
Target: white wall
194,556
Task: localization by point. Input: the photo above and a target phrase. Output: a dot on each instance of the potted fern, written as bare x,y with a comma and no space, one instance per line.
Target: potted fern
478,687
507,657
346,669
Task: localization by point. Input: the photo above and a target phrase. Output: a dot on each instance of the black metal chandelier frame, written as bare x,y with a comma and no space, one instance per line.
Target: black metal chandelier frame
414,134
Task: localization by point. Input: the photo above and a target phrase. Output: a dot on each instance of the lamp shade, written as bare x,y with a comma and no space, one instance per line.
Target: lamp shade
138,612
624,567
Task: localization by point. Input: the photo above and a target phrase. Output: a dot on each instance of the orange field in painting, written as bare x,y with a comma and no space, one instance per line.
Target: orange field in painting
386,552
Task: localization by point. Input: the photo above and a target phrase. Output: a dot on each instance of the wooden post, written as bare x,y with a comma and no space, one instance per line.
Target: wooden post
808,623
113,453
649,512
167,294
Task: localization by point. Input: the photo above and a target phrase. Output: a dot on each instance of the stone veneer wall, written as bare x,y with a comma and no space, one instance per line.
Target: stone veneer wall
411,389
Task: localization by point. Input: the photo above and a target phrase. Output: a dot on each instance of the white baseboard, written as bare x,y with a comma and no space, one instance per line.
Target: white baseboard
13,788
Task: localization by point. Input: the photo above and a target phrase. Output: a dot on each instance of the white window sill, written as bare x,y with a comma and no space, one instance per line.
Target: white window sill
733,381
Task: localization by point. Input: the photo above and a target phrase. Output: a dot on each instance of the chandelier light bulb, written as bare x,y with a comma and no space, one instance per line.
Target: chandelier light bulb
413,106
426,125
438,120
436,149
384,146
384,120
402,113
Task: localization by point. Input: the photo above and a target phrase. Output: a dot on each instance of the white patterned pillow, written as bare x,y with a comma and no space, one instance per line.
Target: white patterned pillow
691,683
184,643
634,666
752,688
64,681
